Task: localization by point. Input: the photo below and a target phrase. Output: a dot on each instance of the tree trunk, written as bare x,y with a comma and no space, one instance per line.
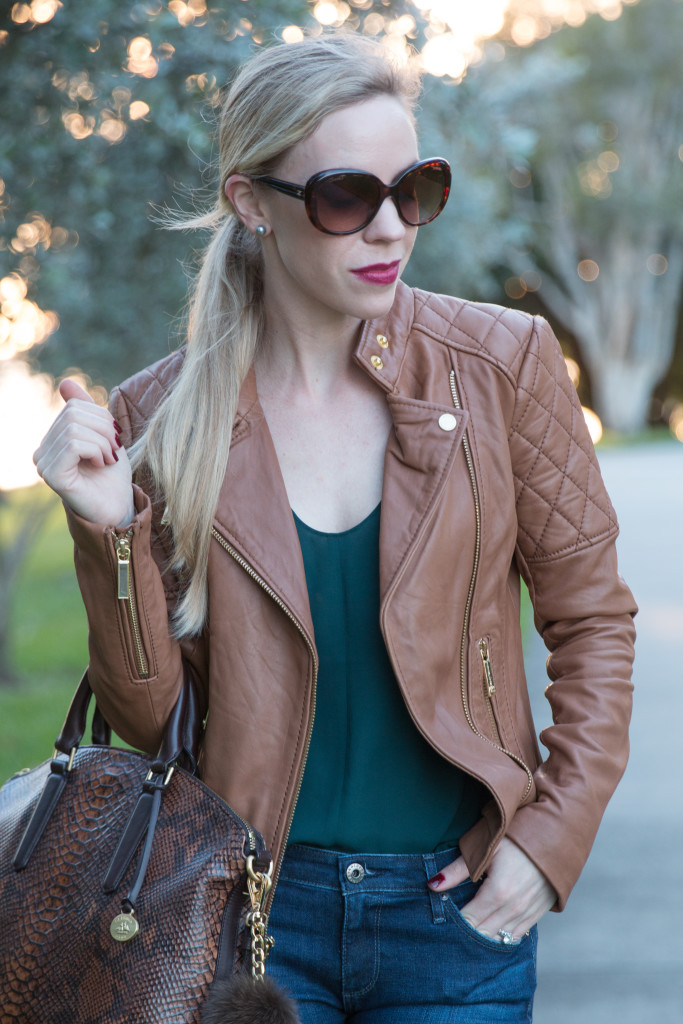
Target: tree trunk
622,393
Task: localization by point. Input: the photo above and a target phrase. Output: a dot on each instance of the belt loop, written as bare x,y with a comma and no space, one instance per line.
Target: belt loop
438,915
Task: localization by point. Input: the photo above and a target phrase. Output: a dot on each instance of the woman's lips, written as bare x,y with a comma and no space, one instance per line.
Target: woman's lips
378,273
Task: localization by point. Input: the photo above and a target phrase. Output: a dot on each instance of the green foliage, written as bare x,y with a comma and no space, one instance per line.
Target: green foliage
115,279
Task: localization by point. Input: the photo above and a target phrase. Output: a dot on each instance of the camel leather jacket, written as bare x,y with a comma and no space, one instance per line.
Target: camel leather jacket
489,475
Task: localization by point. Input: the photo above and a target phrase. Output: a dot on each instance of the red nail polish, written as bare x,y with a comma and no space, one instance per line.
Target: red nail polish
437,880
118,439
115,455
117,426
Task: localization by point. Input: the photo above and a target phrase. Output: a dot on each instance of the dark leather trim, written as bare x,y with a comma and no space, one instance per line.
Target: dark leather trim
53,789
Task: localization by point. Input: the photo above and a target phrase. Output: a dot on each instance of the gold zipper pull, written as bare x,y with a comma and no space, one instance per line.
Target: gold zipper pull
488,671
123,562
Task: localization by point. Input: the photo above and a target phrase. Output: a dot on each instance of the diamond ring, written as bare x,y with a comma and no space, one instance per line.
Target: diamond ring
506,937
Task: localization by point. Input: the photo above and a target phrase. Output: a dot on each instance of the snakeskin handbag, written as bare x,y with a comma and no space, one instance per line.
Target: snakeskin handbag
129,891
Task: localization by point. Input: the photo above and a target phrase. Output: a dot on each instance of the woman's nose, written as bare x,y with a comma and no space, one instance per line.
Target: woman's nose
386,224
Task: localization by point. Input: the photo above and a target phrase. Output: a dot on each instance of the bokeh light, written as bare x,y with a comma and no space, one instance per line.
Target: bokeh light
594,424
140,59
39,12
657,264
573,370
588,270
676,422
22,323
28,405
137,110
292,34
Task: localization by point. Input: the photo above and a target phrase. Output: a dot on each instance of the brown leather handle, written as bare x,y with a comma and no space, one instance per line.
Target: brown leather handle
179,743
181,735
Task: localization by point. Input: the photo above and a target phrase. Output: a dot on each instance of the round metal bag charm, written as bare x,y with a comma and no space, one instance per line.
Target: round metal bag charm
124,927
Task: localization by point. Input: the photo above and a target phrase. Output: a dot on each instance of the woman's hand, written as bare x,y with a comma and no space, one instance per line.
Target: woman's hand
81,458
513,896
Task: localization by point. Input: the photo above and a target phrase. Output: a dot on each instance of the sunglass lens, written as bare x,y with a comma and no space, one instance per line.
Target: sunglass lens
423,192
343,203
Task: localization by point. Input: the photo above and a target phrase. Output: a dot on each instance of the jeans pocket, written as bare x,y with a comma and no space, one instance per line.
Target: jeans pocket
455,900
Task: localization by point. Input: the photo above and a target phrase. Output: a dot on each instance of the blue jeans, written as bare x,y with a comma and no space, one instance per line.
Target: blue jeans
360,938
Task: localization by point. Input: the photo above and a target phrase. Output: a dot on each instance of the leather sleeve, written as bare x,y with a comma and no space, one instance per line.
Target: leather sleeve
583,610
135,664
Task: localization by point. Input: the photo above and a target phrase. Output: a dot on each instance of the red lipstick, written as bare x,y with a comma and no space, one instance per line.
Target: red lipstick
378,273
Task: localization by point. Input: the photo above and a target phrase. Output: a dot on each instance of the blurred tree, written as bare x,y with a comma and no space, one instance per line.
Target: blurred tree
108,107
108,111
602,188
110,114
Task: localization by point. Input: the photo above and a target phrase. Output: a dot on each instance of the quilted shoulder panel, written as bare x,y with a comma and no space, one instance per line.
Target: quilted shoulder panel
493,332
562,505
143,392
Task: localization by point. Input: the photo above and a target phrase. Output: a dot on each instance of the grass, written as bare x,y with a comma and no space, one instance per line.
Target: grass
659,434
49,634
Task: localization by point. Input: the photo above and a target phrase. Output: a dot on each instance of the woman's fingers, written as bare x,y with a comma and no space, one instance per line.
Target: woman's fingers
82,459
70,389
62,453
453,874
513,896
72,440
80,419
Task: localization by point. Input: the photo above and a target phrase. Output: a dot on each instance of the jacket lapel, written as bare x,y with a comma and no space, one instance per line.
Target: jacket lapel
420,454
253,512
424,440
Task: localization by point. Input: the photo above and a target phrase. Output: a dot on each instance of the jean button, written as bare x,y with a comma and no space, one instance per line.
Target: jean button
355,872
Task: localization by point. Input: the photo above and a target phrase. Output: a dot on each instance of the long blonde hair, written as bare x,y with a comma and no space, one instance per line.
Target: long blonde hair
277,99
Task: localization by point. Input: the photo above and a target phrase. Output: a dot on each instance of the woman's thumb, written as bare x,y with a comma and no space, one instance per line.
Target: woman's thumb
70,389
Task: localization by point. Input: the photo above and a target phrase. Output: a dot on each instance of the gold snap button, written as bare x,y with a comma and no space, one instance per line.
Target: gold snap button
382,341
376,362
355,872
448,421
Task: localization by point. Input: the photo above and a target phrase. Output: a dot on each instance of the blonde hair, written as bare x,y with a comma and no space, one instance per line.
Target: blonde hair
277,99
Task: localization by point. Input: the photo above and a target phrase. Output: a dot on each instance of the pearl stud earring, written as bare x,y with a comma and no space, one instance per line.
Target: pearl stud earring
261,230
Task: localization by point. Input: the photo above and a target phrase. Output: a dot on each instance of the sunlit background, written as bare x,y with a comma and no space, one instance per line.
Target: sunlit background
454,34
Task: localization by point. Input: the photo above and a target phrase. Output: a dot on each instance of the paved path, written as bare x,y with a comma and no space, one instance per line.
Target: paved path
616,954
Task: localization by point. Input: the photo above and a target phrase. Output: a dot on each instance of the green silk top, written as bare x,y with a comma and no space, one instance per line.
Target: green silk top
372,783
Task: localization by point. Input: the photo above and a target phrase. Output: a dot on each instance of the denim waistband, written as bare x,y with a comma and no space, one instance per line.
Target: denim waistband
369,872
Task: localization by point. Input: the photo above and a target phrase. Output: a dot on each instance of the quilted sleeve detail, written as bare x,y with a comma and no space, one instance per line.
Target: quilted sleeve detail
583,609
562,505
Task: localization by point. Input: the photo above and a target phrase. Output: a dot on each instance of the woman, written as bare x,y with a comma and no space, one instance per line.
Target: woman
337,487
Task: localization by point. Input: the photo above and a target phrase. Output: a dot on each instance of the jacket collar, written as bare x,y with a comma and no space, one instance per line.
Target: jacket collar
380,352
383,341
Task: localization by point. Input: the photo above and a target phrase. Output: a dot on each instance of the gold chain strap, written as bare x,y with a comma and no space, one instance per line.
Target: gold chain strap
261,942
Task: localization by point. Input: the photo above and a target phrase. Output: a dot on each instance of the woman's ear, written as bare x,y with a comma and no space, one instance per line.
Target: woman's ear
239,191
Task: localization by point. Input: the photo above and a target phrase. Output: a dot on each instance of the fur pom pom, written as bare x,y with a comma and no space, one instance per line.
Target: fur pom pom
240,1000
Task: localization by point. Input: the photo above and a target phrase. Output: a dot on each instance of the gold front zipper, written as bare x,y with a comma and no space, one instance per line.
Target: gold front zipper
468,606
271,593
126,592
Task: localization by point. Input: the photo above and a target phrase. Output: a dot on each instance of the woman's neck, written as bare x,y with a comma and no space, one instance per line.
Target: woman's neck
310,353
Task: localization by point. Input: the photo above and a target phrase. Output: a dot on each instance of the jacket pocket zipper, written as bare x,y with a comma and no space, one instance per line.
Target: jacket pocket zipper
489,685
126,592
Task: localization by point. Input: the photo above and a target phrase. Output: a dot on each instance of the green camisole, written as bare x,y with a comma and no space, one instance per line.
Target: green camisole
372,783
